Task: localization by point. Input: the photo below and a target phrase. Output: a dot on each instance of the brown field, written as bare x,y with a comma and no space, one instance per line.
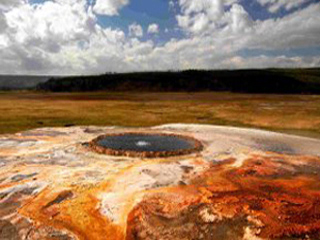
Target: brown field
297,114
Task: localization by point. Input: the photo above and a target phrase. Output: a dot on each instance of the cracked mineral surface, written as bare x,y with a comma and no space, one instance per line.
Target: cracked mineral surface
245,184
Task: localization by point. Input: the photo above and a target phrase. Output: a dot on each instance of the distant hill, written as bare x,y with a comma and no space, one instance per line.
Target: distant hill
12,82
306,81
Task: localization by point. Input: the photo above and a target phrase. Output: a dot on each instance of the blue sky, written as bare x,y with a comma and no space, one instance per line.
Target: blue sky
95,36
144,13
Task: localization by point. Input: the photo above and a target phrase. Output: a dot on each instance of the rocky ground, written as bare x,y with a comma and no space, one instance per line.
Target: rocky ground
245,184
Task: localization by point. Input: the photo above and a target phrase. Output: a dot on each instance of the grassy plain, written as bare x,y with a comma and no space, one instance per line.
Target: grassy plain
297,114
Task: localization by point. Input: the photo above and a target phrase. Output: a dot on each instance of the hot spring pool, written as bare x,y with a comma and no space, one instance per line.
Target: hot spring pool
145,145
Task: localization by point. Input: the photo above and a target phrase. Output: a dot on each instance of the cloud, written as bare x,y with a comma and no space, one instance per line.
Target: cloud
297,30
49,22
3,22
9,4
65,37
58,37
135,30
270,62
109,7
216,45
153,28
171,4
275,5
206,16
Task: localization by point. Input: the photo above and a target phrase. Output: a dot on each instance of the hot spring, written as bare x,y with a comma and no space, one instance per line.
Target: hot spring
145,145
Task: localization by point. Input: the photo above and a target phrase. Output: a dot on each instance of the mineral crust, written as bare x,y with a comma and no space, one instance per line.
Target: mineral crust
244,184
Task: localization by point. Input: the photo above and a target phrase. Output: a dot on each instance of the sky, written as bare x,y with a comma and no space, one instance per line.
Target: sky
72,37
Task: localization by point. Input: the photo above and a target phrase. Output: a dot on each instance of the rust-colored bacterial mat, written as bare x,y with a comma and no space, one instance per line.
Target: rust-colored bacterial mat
237,187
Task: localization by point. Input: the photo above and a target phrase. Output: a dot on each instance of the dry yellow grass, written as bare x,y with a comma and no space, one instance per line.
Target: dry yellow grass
290,113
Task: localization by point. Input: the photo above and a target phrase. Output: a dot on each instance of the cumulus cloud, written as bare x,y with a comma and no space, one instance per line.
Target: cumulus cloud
59,36
8,4
206,16
65,37
275,5
297,30
109,7
50,26
135,30
153,28
3,22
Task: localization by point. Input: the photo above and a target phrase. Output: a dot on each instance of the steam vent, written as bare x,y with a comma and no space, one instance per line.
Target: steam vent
167,182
